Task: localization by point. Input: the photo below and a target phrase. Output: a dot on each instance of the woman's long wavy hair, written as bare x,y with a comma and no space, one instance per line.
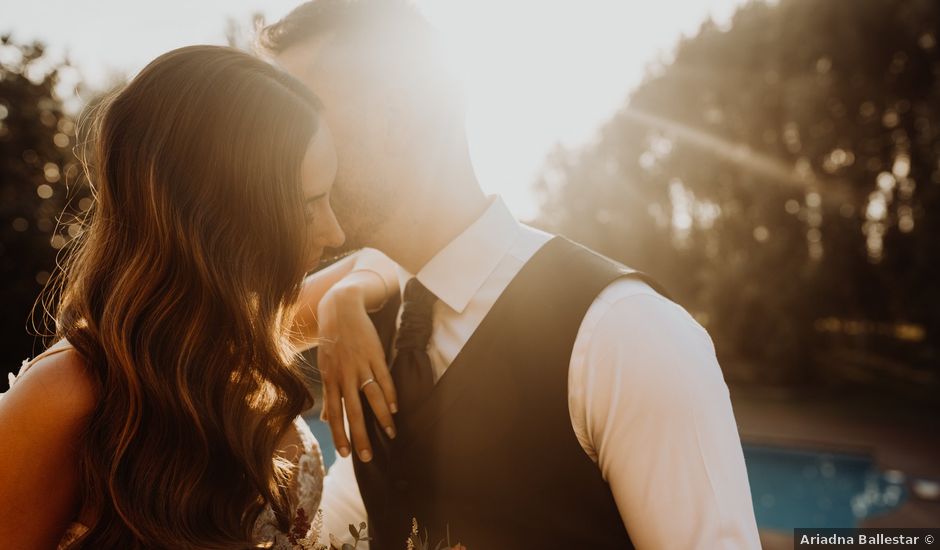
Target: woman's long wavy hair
178,296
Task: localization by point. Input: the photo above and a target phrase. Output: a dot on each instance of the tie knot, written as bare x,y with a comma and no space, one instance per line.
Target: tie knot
415,329
417,296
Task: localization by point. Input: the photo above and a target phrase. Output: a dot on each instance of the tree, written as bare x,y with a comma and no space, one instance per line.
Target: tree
39,176
781,177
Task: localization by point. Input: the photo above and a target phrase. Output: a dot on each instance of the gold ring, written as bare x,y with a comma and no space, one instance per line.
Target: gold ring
366,383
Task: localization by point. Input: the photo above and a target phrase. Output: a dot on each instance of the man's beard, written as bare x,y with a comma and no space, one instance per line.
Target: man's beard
362,215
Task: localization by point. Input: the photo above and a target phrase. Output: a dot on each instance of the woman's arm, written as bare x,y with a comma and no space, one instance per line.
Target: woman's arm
42,418
365,279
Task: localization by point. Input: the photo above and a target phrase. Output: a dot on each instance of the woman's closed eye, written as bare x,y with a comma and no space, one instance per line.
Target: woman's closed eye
310,206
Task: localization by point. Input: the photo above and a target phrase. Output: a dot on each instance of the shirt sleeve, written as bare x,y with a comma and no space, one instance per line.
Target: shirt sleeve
650,406
342,504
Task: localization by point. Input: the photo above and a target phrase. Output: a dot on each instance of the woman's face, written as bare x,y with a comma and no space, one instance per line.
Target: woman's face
318,173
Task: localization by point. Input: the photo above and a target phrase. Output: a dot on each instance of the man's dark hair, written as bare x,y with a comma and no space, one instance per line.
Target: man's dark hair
348,19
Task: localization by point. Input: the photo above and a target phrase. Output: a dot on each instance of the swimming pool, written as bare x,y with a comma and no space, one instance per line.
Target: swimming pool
790,487
810,488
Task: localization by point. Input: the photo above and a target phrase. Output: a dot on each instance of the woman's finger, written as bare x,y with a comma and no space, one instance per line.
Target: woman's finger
384,380
334,407
357,425
332,398
324,414
376,399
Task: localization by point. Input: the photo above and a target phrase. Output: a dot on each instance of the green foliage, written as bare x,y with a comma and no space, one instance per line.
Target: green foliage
422,541
778,174
359,534
416,540
39,175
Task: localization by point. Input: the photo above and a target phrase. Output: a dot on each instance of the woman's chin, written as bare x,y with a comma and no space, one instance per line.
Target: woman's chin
315,261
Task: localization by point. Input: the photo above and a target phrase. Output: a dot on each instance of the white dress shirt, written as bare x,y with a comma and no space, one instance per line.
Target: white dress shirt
646,396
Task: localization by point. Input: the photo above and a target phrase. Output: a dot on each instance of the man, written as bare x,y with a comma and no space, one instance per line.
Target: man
549,397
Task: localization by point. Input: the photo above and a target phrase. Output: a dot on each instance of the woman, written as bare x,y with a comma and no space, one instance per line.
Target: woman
166,414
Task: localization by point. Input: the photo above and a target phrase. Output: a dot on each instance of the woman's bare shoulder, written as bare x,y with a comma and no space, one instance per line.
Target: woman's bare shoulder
56,386
42,421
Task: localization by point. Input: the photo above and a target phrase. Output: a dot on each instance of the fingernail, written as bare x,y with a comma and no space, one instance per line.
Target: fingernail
390,431
393,407
365,456
344,452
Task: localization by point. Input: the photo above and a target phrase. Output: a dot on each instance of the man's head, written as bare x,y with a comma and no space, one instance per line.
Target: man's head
387,98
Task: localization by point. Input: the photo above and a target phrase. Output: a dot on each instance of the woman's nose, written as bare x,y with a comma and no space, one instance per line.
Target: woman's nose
335,236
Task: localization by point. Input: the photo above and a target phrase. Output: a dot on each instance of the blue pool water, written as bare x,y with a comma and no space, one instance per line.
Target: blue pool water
790,487
322,432
807,488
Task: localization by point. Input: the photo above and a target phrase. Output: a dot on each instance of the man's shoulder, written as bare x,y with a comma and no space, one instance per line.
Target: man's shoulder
624,288
633,337
589,269
632,305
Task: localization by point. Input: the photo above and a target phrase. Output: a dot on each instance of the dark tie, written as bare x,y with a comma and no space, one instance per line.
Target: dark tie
411,368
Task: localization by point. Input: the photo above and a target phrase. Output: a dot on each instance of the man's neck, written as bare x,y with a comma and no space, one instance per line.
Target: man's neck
427,234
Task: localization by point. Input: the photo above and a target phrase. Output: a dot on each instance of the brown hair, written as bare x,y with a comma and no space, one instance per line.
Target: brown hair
178,294
365,20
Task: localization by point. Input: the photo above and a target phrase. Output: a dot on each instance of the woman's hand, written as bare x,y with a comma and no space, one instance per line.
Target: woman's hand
349,355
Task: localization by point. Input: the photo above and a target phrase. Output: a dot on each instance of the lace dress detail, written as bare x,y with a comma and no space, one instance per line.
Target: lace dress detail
307,490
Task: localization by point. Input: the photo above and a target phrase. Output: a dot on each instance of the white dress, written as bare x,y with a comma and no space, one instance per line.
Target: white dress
307,491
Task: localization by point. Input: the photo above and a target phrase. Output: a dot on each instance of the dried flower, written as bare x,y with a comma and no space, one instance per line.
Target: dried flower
299,527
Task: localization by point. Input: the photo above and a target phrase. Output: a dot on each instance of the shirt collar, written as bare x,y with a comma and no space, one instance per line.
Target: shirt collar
458,270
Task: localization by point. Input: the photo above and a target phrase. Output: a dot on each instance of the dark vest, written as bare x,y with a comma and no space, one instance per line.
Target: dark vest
491,457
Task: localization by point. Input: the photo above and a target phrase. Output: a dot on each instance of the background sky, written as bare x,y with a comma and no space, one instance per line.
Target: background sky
537,72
